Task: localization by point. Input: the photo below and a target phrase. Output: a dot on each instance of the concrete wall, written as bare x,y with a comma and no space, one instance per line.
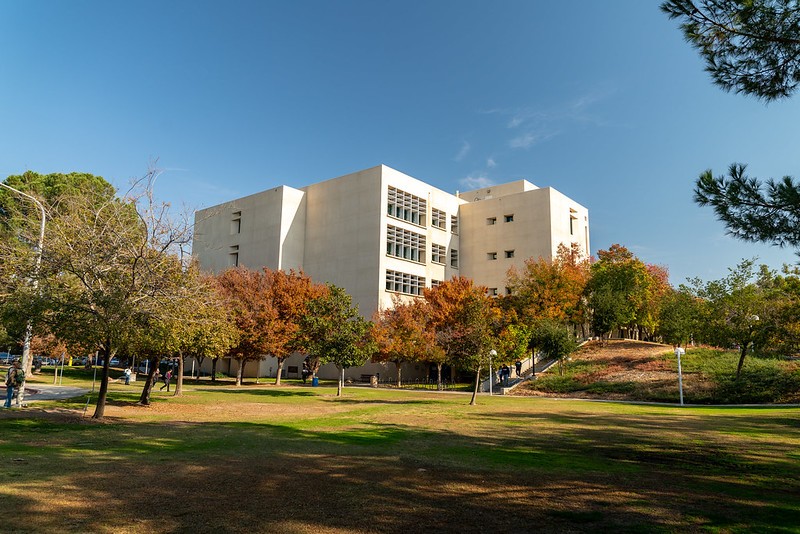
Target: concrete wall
540,222
265,230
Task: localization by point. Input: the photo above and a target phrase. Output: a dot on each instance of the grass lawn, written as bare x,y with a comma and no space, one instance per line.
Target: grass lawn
297,459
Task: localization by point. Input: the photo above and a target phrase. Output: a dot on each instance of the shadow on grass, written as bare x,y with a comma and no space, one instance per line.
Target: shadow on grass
608,473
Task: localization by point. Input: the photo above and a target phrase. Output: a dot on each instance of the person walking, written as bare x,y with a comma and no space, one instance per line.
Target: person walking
127,376
518,368
167,377
14,378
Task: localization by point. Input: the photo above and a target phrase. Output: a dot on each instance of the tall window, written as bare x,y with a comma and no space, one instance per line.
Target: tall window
454,258
409,284
438,219
236,222
438,254
233,256
454,224
407,206
405,244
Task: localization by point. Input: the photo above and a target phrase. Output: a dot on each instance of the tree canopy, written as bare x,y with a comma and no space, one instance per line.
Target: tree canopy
749,46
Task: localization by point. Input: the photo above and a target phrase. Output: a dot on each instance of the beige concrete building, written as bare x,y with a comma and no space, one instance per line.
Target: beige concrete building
379,232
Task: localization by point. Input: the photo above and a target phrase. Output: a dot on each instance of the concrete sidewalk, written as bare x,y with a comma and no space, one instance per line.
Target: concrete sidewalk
43,392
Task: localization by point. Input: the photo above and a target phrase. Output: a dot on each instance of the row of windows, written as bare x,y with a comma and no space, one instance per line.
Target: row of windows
409,284
405,244
412,208
493,255
506,218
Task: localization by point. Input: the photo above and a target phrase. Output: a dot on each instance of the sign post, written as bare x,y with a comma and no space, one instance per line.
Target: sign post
678,352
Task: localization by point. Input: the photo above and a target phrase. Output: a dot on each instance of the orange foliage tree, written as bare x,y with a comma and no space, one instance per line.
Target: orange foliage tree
462,317
400,334
545,289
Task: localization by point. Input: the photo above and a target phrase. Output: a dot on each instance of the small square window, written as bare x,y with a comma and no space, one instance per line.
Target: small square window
491,255
508,218
492,292
509,253
491,220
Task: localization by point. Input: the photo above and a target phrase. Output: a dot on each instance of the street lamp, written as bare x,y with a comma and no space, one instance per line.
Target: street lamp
26,344
492,354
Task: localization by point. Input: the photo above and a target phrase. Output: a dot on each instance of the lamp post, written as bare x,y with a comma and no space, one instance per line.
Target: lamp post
492,354
26,344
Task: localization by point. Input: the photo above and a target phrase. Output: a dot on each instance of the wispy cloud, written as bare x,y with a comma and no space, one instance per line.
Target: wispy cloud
491,163
476,181
462,153
528,139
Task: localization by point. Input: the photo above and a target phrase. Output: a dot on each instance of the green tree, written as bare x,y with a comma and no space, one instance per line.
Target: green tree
334,332
620,290
751,47
679,317
739,311
111,267
554,340
753,210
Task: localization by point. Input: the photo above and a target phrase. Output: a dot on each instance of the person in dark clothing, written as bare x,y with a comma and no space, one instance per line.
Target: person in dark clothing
167,377
505,372
518,367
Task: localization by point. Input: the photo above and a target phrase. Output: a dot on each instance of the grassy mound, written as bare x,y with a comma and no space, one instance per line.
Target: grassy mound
631,370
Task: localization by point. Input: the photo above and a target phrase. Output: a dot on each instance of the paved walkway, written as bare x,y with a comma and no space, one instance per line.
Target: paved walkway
42,392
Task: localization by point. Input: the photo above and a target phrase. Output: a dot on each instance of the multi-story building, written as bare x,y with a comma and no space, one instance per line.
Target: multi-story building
379,232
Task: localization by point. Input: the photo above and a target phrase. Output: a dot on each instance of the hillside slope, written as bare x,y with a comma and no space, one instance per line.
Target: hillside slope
639,371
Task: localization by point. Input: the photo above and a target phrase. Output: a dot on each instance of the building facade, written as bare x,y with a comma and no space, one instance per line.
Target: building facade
379,232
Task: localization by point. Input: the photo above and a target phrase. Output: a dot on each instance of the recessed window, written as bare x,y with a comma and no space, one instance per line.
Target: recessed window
491,221
454,224
405,244
509,253
404,283
491,255
236,222
508,291
438,254
573,216
406,206
508,218
233,256
492,292
454,258
438,219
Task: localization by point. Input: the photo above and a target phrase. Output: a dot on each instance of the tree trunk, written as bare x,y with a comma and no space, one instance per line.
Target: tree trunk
281,361
742,354
144,398
214,370
179,381
101,396
341,382
474,400
240,371
439,377
397,364
199,360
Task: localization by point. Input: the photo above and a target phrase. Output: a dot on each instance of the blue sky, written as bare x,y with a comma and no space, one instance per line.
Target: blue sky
603,101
